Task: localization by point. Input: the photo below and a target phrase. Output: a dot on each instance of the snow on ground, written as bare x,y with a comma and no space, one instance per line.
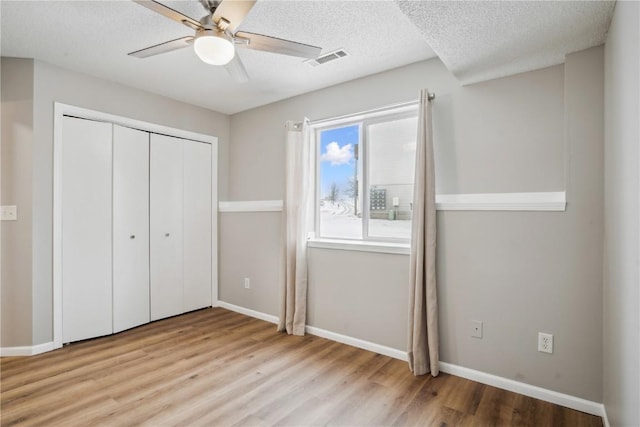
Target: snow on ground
337,219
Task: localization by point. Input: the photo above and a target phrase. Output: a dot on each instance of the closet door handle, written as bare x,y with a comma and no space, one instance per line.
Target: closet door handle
133,236
166,234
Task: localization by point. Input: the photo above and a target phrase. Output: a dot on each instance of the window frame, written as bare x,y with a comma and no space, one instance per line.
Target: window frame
364,121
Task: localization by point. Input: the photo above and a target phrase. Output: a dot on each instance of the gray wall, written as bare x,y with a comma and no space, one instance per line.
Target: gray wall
250,248
52,84
622,216
16,153
522,273
360,294
519,272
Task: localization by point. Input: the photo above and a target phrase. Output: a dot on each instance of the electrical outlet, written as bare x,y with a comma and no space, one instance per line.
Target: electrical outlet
545,342
247,283
476,328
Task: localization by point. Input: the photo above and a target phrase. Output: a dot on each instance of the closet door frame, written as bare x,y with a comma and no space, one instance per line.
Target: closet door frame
60,111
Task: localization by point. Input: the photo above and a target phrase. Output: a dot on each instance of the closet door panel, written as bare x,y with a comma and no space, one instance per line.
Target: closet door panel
197,225
130,228
86,229
166,226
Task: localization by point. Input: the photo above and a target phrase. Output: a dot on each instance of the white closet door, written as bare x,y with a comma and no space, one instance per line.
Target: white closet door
197,225
166,226
86,229
130,228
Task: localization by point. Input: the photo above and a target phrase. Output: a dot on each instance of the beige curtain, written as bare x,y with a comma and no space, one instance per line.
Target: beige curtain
423,307
297,219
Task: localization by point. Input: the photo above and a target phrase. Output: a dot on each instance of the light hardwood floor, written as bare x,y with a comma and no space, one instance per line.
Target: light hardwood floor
215,367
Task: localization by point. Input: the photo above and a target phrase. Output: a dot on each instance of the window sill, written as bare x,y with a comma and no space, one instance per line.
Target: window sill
360,246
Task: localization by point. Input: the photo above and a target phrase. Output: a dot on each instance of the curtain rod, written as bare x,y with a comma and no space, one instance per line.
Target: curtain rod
416,101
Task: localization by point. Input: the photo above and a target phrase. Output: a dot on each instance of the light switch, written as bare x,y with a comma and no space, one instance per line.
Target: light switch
8,213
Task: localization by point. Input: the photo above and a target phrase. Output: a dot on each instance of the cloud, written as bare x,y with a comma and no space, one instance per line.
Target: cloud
337,155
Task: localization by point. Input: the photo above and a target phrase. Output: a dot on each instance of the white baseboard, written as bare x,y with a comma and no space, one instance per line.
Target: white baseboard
312,330
355,342
248,312
26,350
605,419
561,399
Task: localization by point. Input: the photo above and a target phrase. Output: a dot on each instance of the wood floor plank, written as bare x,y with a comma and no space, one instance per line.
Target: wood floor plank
240,399
217,367
322,381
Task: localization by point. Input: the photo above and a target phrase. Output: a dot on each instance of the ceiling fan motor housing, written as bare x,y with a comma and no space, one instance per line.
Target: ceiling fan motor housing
217,32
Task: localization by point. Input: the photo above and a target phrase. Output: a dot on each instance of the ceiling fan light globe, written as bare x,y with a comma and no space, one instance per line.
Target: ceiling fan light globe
213,48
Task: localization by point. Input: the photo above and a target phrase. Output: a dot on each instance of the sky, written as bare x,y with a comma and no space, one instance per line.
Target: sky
337,163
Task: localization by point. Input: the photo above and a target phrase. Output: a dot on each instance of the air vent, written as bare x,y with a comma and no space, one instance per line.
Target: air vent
331,56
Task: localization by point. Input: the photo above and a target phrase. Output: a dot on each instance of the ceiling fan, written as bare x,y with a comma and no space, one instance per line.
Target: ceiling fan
216,36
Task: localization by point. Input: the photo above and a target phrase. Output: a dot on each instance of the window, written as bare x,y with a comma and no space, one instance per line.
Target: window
365,176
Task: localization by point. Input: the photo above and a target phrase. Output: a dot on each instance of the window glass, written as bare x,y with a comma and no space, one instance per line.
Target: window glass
365,176
340,202
392,149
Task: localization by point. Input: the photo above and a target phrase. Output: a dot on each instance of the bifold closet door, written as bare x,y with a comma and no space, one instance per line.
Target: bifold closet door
86,229
197,225
166,185
130,228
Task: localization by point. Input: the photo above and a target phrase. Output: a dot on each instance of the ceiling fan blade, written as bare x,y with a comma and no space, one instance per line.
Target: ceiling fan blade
276,45
170,13
163,47
236,70
232,11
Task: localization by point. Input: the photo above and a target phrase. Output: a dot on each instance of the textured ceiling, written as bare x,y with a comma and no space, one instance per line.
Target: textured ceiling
94,37
481,40
475,40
